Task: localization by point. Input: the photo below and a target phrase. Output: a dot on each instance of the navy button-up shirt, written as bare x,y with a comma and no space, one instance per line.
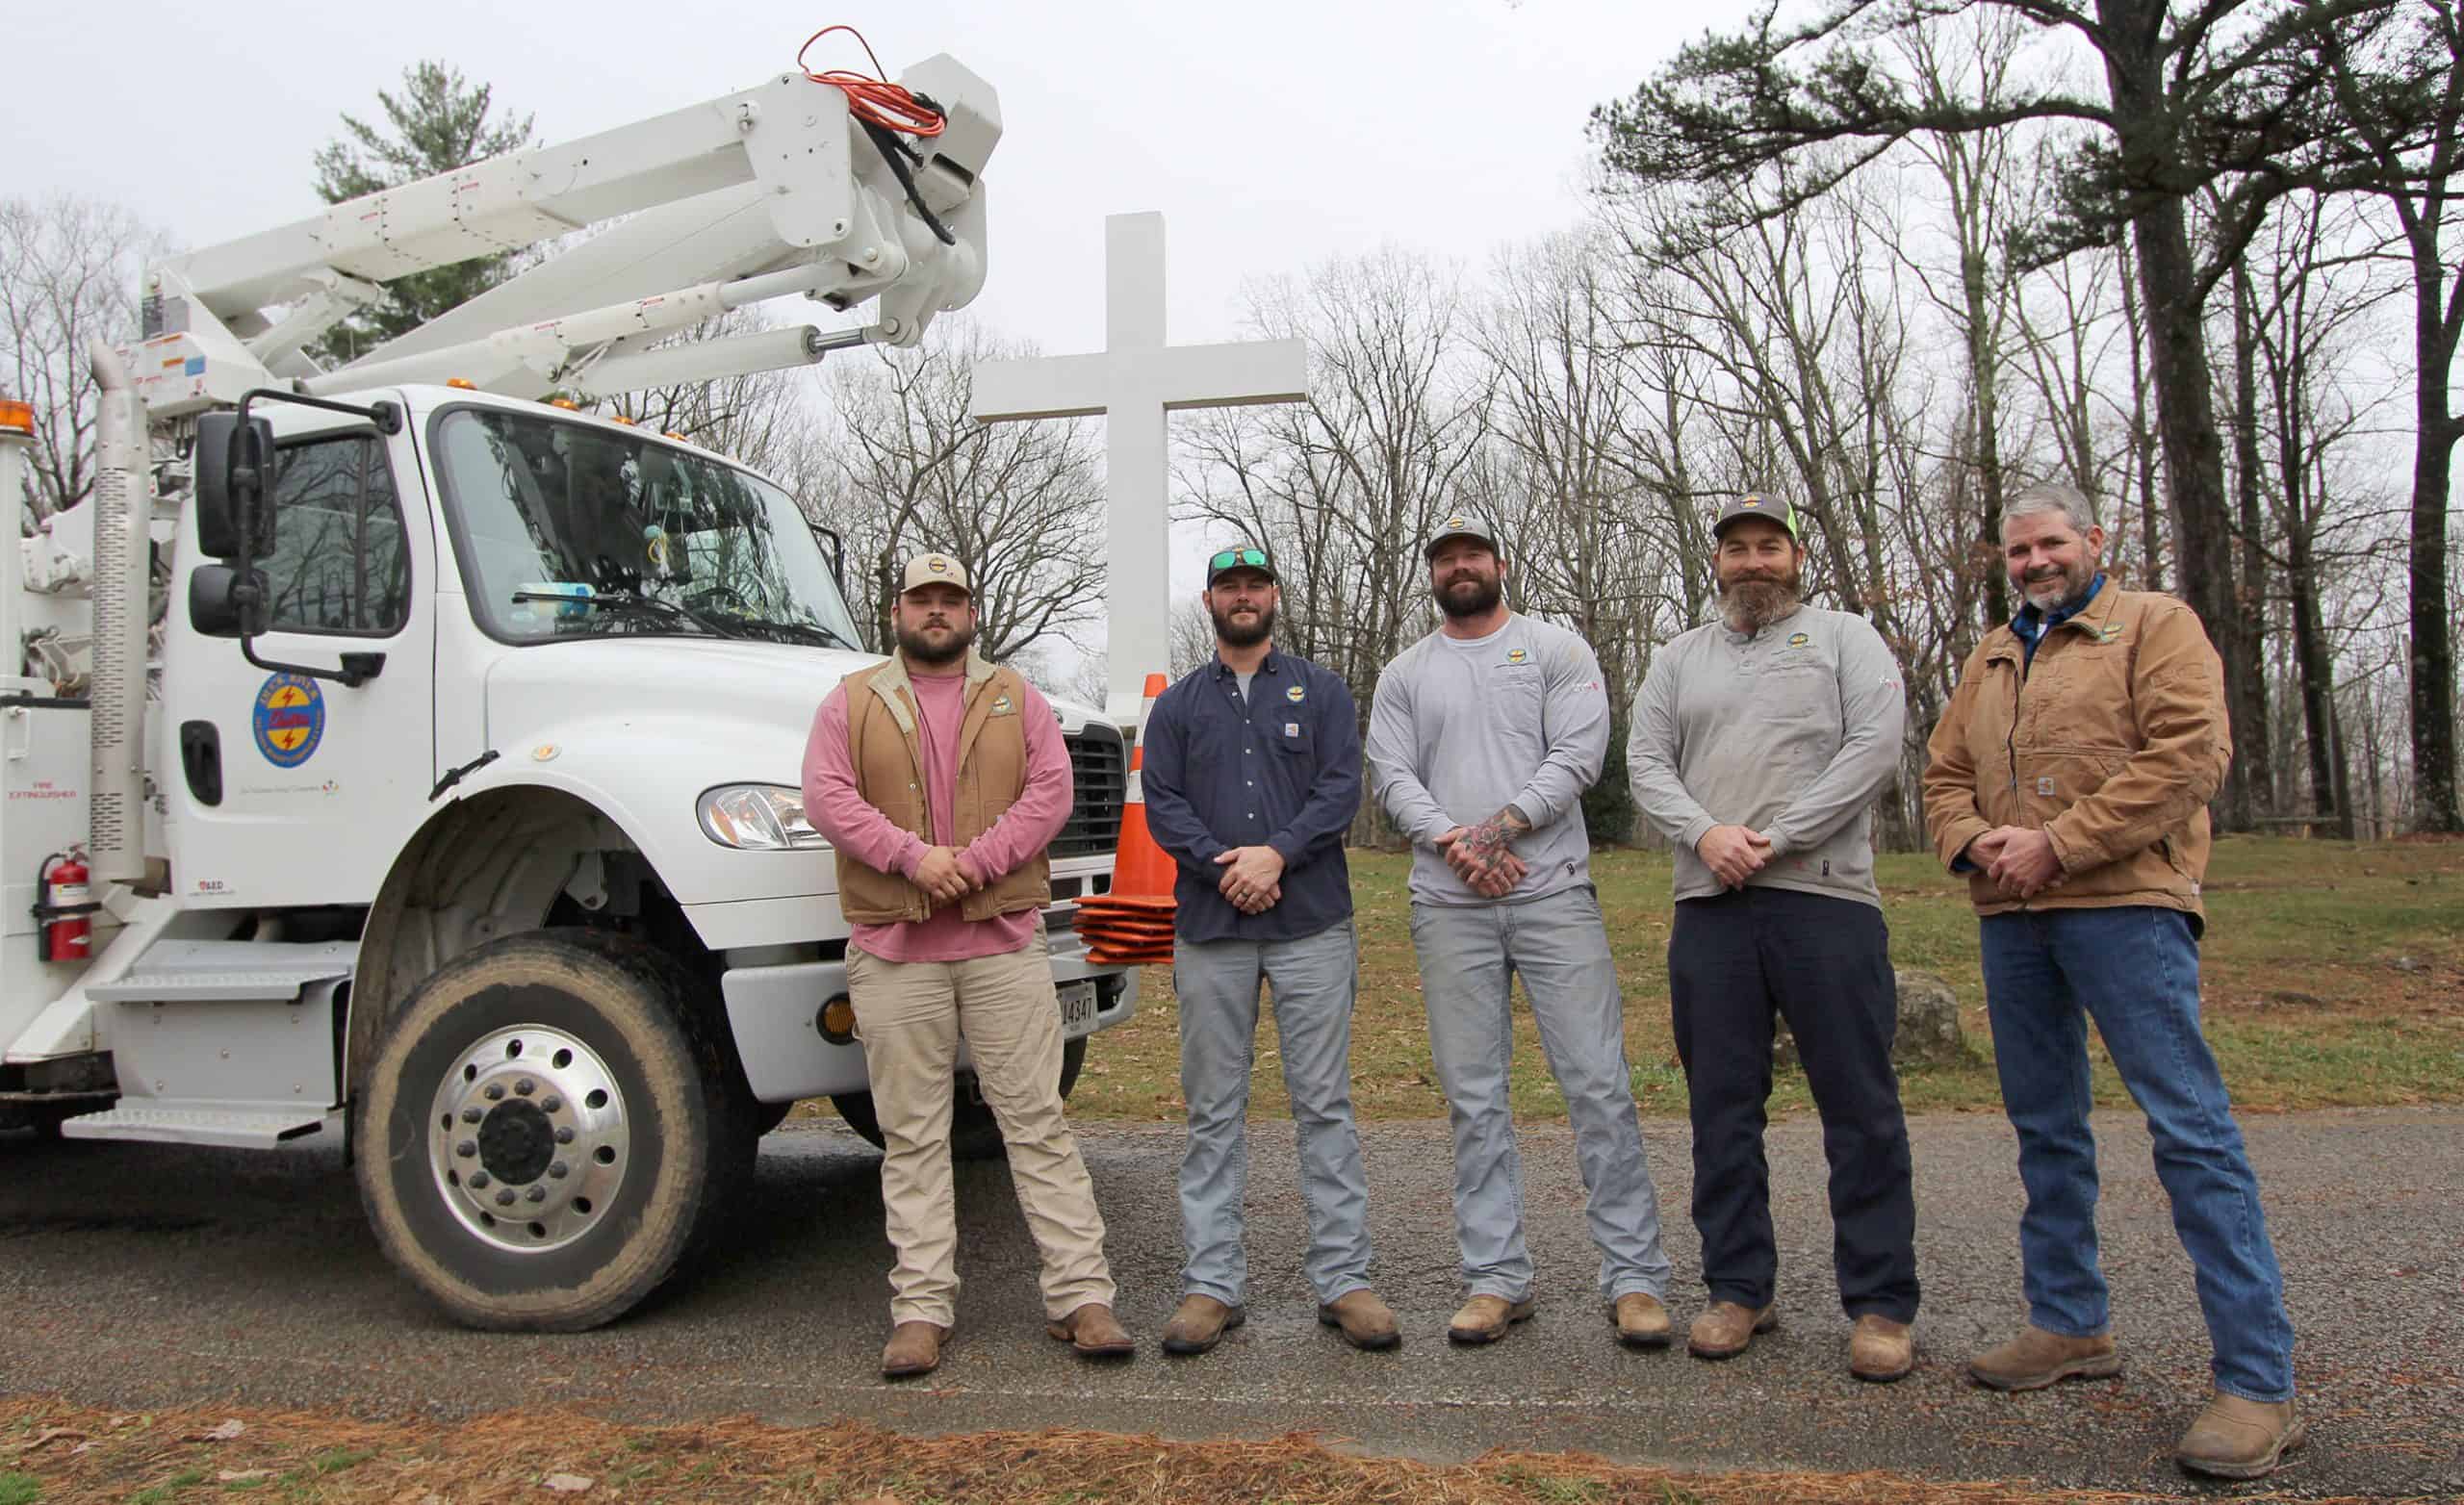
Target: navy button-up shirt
1282,772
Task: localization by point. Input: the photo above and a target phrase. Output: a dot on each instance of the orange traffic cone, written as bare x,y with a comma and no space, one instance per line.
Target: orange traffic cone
1132,922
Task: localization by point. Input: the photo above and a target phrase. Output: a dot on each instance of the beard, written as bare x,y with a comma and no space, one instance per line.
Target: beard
1753,603
2049,589
1469,595
1237,635
924,651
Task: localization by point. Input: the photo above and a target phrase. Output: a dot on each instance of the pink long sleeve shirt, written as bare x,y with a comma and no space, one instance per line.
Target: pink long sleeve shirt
862,833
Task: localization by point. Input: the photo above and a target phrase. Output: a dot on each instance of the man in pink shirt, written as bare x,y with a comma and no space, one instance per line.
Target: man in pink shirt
939,781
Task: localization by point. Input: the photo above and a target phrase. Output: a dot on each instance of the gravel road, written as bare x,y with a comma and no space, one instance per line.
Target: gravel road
140,1276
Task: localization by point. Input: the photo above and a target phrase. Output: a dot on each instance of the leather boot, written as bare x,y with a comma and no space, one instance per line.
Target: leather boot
2236,1439
913,1348
1094,1331
1725,1329
1366,1321
1642,1320
1199,1323
1484,1319
1879,1349
2037,1358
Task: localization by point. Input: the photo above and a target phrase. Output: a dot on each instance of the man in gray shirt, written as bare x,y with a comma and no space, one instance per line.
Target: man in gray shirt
1483,738
1758,744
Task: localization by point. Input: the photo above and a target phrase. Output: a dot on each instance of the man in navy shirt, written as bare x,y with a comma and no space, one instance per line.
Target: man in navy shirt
1252,776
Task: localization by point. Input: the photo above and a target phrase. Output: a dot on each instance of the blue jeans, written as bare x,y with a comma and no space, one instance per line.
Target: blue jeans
1469,955
2134,969
1314,979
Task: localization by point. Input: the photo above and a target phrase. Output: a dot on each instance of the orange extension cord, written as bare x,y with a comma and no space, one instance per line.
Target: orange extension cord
870,96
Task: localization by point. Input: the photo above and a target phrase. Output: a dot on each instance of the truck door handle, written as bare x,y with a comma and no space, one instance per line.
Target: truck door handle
201,759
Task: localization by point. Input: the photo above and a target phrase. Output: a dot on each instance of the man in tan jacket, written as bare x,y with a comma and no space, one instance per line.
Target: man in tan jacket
939,781
2069,779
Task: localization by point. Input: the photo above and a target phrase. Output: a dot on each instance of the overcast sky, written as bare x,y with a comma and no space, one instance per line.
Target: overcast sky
1272,135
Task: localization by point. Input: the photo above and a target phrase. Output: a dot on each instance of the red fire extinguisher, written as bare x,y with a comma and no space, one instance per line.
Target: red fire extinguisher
67,909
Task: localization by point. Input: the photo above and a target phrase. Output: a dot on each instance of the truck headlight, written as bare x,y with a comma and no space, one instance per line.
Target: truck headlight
757,818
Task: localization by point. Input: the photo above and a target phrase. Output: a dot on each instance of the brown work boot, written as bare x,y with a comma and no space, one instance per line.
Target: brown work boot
1366,1321
1094,1331
1881,1350
2236,1439
2037,1358
913,1348
1725,1329
1484,1319
1642,1321
1200,1324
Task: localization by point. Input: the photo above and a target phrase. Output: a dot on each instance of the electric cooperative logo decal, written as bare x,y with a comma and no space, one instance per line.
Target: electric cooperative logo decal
289,720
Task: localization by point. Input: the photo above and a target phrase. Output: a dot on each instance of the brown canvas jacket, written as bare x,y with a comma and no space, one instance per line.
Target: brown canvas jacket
2112,742
889,774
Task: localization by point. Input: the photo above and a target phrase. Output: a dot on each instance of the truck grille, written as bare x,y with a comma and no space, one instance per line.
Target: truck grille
1099,780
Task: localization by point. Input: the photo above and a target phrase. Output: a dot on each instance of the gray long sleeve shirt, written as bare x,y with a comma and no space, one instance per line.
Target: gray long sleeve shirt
1790,731
1460,729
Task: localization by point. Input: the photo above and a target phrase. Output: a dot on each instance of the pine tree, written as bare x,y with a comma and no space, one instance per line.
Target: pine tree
438,121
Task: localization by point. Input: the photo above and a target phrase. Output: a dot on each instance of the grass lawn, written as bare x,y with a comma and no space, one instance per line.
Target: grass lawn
2334,976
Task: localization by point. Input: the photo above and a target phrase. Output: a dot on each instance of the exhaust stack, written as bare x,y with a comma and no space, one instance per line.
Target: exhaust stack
121,599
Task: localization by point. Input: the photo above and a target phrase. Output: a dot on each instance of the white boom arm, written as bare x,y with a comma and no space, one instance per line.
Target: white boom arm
773,191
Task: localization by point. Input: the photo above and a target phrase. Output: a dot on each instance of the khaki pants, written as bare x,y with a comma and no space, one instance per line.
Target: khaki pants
910,1017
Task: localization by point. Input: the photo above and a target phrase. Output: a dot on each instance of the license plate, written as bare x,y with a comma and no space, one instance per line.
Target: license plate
1077,1008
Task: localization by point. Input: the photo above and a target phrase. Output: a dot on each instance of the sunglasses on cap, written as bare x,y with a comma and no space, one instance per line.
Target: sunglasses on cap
1234,558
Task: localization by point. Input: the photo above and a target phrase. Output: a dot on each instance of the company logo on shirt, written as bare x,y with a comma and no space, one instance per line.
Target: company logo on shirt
1296,695
1799,640
1516,655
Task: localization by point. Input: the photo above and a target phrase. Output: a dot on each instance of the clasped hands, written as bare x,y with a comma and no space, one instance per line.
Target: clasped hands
1252,878
1733,854
2018,862
947,874
1481,856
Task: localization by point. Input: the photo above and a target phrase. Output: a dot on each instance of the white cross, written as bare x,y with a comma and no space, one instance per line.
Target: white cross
1135,381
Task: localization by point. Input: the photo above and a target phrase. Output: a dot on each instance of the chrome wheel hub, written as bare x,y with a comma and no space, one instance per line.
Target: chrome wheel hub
529,1139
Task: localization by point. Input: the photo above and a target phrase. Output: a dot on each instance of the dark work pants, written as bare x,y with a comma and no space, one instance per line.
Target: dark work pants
1824,965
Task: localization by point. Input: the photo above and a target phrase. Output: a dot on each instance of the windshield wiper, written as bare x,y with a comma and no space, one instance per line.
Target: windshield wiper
632,600
812,632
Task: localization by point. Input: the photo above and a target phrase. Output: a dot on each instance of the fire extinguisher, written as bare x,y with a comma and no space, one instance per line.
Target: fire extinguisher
67,930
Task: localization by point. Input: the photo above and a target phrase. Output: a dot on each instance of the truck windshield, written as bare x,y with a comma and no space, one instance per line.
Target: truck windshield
567,529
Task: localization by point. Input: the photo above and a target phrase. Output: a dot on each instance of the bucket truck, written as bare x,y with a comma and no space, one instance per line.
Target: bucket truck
395,753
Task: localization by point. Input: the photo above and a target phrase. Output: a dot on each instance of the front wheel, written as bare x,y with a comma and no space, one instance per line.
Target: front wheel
975,1135
548,1128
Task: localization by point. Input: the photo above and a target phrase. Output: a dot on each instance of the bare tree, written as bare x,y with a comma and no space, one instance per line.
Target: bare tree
2216,93
68,272
903,466
2407,111
1344,486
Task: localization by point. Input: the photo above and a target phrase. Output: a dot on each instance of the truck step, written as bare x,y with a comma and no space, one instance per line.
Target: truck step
195,972
164,1123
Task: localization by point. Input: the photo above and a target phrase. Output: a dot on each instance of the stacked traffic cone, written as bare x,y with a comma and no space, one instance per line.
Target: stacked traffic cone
1133,923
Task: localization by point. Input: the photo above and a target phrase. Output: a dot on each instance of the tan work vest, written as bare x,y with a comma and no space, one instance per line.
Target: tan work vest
885,746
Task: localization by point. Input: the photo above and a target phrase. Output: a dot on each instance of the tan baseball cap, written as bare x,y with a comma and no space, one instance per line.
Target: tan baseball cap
934,569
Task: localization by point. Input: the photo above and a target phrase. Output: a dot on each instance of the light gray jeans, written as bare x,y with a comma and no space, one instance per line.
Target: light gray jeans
1314,979
1469,955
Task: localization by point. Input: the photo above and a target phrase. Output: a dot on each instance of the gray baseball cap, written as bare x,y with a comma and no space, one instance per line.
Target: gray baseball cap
1757,504
1460,525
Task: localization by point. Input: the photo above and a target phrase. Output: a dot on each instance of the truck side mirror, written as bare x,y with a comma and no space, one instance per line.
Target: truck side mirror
216,608
234,465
